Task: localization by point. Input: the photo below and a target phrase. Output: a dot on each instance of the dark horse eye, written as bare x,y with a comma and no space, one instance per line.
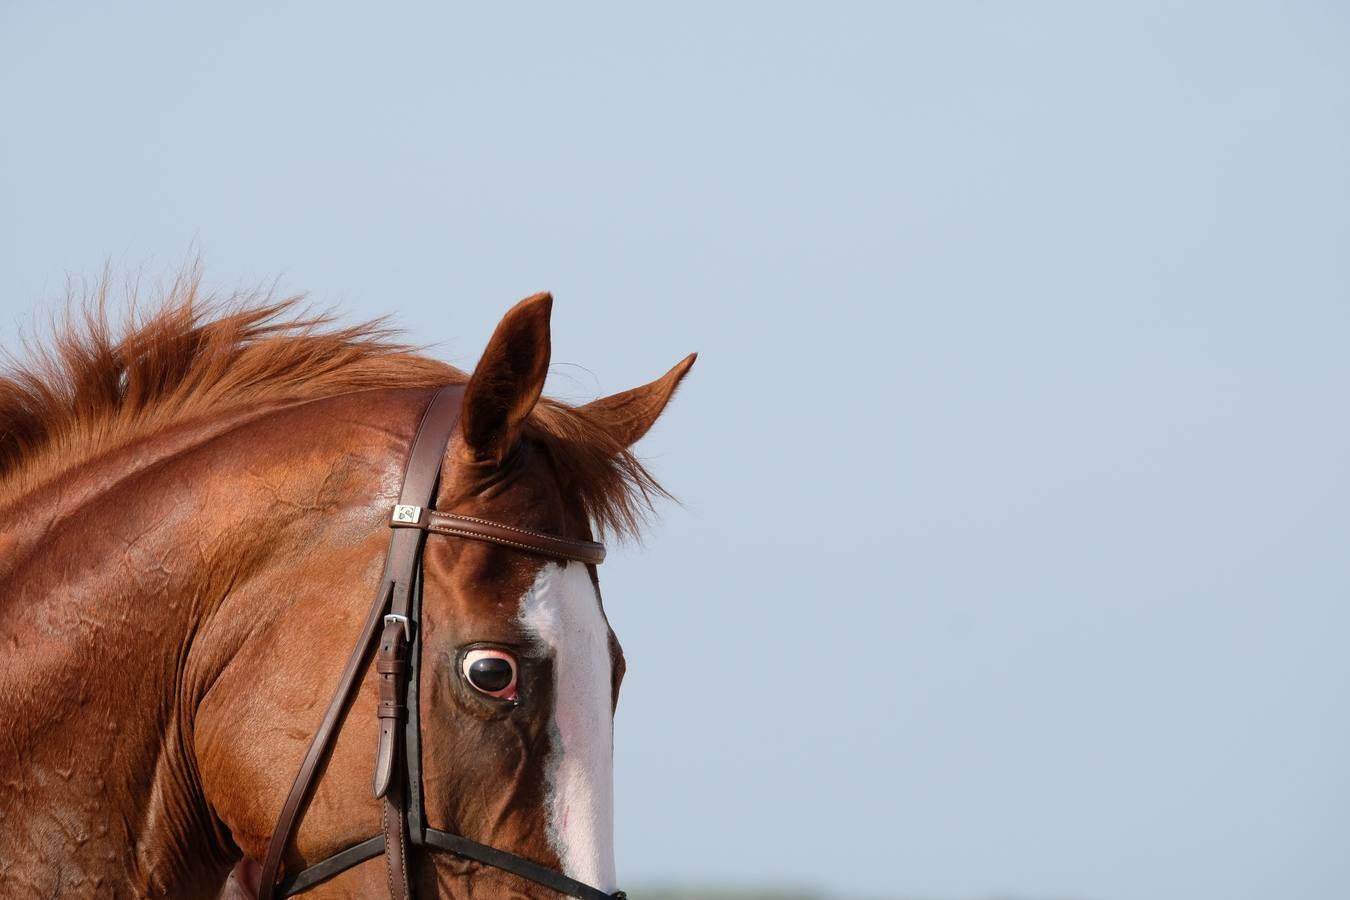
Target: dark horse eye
491,671
491,674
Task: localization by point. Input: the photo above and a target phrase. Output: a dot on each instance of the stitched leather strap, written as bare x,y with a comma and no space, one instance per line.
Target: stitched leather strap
589,552
391,664
396,845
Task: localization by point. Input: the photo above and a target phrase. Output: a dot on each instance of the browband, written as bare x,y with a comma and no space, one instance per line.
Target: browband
589,552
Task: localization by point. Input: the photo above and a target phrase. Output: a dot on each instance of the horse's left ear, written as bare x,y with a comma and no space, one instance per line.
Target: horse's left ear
508,380
628,415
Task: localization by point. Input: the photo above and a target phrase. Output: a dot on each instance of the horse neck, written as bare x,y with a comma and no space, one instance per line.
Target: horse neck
115,624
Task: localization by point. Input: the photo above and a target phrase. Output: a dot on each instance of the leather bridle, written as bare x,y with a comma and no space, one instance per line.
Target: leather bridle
394,619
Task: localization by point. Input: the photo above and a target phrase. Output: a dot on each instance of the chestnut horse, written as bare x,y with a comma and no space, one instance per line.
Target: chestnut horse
193,519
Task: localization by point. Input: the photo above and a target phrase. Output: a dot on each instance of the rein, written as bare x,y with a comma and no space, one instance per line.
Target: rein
393,620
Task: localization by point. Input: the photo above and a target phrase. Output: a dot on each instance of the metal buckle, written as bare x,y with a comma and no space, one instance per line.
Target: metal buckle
406,515
395,618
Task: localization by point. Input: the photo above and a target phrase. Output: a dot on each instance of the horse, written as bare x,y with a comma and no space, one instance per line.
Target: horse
194,516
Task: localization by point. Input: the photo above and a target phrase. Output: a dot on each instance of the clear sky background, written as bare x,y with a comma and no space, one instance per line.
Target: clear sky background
1013,548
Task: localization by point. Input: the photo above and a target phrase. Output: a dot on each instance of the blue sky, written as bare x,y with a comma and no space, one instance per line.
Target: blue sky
1012,550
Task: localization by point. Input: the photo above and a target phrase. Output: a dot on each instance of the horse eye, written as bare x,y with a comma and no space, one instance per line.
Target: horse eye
491,671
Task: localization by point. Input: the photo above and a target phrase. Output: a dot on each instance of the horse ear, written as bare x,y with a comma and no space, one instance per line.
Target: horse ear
508,380
628,415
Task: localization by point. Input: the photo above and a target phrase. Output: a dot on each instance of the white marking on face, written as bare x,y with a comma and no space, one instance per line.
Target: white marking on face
562,611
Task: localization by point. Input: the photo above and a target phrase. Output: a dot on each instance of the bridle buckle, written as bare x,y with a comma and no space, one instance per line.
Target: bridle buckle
396,619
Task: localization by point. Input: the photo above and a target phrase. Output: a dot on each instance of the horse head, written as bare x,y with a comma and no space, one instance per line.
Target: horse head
283,510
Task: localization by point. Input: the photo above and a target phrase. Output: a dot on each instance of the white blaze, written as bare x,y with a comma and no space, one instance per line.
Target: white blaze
562,611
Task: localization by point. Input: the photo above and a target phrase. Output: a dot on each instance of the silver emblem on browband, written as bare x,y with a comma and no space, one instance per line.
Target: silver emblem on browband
406,515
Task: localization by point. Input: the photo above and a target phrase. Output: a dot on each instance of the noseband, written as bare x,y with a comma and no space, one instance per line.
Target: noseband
394,620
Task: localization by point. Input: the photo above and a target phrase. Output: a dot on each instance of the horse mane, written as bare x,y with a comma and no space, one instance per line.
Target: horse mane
92,388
